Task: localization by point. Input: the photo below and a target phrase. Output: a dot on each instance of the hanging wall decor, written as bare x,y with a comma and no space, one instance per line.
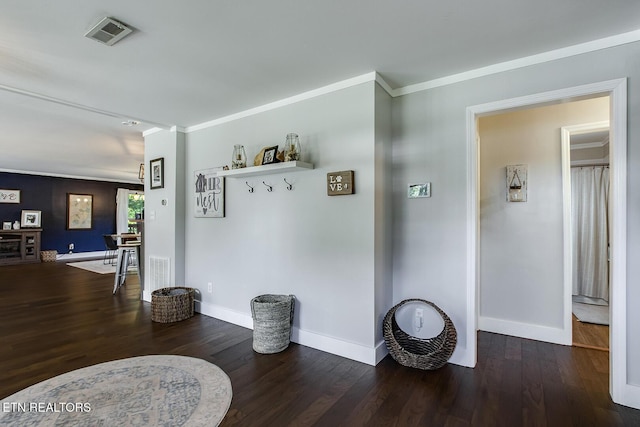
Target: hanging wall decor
517,183
79,211
340,183
9,196
209,194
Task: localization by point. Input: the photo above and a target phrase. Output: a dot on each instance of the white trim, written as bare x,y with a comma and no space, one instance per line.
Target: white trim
604,161
565,136
523,330
381,351
79,255
176,129
60,175
152,131
473,238
75,105
588,145
566,52
617,90
618,242
567,235
350,350
344,84
222,313
630,396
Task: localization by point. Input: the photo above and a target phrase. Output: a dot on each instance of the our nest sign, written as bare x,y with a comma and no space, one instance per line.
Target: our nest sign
340,183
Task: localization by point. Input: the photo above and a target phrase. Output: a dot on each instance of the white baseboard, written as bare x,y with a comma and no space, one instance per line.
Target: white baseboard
524,330
75,256
222,313
381,351
462,357
349,350
630,396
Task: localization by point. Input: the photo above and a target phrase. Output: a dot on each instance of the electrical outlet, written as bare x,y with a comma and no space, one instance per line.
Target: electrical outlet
71,246
419,318
210,287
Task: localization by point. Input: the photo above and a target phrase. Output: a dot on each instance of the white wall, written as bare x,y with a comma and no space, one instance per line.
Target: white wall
430,144
164,223
383,215
521,244
302,242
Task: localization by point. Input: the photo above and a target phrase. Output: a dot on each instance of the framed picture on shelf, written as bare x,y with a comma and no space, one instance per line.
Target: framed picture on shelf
6,225
157,173
270,154
79,211
9,196
30,219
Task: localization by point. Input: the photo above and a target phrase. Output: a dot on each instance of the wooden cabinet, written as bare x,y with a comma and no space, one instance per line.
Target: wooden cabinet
19,246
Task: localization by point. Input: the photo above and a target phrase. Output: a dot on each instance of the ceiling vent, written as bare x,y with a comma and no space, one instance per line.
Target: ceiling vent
108,31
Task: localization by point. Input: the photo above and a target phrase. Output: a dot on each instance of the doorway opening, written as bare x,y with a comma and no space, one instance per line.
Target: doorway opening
617,91
587,146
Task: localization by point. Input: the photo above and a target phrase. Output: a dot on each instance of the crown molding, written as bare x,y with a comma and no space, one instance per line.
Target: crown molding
77,106
344,84
61,175
566,52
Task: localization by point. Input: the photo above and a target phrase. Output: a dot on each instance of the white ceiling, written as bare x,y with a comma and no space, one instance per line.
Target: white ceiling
63,97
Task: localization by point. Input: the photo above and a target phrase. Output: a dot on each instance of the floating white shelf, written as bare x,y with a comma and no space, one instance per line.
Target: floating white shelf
273,168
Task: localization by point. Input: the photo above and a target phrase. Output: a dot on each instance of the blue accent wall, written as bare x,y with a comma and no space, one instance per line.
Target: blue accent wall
49,195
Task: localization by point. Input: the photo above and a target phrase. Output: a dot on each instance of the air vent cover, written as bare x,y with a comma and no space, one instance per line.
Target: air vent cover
108,31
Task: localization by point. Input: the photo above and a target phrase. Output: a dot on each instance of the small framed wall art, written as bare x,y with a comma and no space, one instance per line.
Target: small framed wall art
415,191
340,183
9,196
209,194
31,219
517,183
157,173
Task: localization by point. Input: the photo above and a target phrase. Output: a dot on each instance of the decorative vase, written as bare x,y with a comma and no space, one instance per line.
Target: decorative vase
292,148
239,159
16,225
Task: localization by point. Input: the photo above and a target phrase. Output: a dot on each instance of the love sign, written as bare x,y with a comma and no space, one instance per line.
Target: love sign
340,183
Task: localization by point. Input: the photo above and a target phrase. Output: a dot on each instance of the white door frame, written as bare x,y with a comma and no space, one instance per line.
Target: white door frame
567,224
620,391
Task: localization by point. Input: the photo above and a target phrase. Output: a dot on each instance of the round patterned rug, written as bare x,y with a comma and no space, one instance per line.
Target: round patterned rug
139,391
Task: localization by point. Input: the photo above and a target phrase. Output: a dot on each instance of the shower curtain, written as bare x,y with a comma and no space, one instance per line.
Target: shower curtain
589,211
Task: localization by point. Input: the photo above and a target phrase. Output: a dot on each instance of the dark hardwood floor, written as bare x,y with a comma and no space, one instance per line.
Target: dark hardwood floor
57,318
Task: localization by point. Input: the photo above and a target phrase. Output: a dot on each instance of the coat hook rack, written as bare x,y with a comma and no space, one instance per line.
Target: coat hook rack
269,187
289,185
250,187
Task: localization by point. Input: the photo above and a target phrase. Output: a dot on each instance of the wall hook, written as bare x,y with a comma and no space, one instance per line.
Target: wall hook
289,185
269,187
250,187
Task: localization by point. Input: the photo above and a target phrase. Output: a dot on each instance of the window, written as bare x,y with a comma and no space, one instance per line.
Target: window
136,210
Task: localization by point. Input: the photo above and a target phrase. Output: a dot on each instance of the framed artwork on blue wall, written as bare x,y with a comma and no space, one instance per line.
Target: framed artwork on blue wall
79,211
9,196
30,219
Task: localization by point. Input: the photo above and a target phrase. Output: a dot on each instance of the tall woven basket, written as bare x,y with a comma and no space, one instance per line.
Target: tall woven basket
422,353
272,320
172,304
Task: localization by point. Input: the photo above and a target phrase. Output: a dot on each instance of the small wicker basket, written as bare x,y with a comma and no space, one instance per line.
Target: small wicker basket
172,304
422,353
48,256
272,319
